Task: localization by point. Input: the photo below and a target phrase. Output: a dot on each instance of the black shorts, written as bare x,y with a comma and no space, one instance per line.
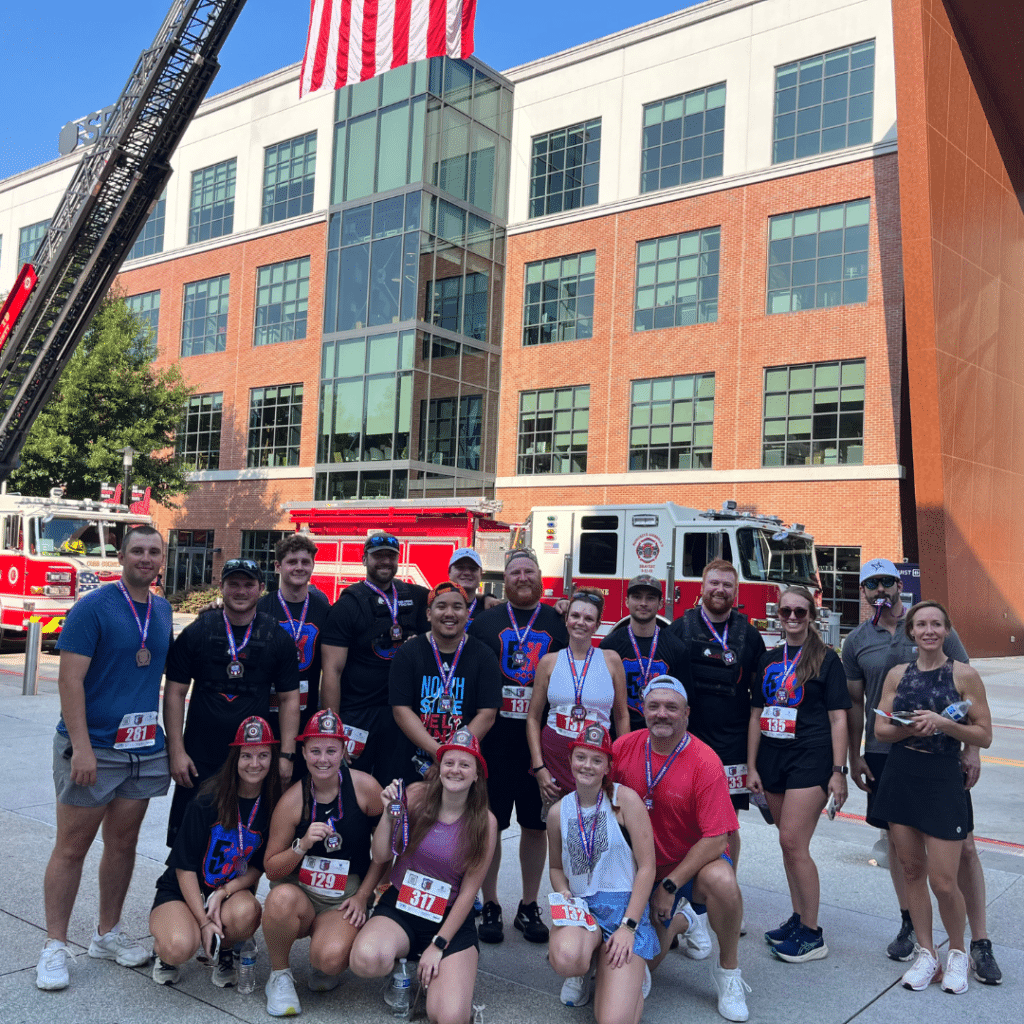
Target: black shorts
925,792
388,751
782,767
510,784
740,801
420,931
876,762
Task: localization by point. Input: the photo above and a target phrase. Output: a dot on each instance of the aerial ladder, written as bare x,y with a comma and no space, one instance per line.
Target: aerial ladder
102,212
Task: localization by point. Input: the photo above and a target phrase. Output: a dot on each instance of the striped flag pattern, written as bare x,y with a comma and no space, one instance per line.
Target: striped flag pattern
353,40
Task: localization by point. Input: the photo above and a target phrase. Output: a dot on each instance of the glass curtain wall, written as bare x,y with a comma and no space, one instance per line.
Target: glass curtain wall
414,281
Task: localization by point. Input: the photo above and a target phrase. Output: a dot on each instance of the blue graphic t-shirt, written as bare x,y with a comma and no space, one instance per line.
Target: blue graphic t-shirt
670,658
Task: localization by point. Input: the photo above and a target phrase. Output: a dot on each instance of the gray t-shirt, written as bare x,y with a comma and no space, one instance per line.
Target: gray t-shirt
869,652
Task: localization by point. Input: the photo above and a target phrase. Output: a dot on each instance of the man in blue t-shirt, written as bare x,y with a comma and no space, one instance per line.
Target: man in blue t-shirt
109,756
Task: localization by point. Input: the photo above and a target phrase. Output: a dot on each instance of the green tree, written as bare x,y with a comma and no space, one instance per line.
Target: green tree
108,397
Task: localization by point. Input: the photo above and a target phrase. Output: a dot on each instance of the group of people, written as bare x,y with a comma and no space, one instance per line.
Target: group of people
365,756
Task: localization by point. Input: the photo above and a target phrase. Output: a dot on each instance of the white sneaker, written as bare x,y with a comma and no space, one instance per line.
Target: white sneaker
52,969
165,974
645,989
576,991
955,978
924,970
115,945
732,1002
697,944
317,981
282,999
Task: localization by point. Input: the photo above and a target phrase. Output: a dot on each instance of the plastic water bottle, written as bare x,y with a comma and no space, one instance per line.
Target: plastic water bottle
957,711
247,967
398,994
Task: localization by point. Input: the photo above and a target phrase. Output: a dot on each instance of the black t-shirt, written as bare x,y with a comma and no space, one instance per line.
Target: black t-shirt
205,846
416,682
219,703
360,621
494,628
720,695
307,650
822,693
670,658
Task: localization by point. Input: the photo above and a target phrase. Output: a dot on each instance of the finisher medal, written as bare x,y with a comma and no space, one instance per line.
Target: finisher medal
333,842
519,659
396,632
579,712
728,657
235,670
239,866
142,657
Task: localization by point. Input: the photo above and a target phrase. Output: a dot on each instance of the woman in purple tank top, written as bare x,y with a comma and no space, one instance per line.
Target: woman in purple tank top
441,835
921,792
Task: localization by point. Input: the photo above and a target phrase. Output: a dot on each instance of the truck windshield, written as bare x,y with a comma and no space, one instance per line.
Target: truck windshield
86,538
787,560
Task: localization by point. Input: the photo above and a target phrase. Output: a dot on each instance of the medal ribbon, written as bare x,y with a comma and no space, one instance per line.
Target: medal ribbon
231,636
295,628
392,605
252,818
645,670
331,822
788,669
651,783
588,841
401,822
446,679
521,637
723,637
469,618
143,629
579,679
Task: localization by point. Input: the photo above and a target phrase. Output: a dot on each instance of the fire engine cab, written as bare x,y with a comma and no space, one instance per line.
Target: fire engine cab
52,551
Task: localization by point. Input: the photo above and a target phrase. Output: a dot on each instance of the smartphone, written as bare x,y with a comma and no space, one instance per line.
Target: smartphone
830,807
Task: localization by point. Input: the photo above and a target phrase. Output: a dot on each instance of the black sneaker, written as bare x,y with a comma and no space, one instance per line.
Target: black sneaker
902,947
490,929
529,923
983,963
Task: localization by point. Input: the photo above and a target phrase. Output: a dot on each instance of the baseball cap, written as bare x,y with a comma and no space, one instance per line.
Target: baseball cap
463,739
666,682
381,542
245,566
645,579
254,732
877,567
446,587
594,737
515,553
460,553
323,725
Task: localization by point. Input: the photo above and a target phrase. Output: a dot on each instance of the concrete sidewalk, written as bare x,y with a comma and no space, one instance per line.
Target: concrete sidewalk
855,983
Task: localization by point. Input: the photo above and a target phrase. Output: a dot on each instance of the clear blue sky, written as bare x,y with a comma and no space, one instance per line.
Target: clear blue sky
64,59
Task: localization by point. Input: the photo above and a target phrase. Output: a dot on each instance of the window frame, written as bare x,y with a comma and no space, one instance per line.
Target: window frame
547,171
284,325
304,200
574,296
710,159
652,279
573,457
192,454
678,382
285,444
189,304
217,225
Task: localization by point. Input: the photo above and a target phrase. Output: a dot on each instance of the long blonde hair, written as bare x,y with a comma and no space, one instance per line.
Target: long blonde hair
814,647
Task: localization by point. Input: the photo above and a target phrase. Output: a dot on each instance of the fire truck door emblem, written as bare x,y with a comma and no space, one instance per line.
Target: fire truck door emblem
12,575
648,547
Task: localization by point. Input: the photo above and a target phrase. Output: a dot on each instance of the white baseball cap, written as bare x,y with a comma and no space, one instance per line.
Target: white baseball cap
665,682
877,567
460,553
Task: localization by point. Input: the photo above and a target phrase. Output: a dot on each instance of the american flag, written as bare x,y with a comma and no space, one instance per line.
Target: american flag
88,581
352,40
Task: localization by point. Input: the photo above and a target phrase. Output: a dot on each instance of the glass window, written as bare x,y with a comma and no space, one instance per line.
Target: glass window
282,295
671,422
818,258
677,280
564,168
814,414
204,316
151,238
212,213
198,439
558,300
275,425
450,431
29,239
259,545
683,139
189,560
289,174
146,308
553,429
459,305
824,103
839,572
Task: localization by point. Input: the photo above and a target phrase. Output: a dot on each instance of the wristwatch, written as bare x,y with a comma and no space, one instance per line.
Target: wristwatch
539,768
440,941
841,768
297,848
628,922
290,756
669,886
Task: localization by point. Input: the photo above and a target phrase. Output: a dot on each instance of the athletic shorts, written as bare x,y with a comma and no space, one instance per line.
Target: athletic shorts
119,773
783,768
685,892
509,785
420,931
320,903
876,762
925,792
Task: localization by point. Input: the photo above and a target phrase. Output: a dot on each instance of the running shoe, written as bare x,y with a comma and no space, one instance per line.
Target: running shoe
317,981
902,947
224,974
115,945
52,969
282,999
645,988
731,989
528,921
954,979
802,945
576,991
983,963
923,972
165,974
783,932
491,928
697,941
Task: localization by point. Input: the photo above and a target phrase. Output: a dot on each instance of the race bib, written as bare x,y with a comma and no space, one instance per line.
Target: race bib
324,876
778,722
424,896
573,911
355,740
275,701
136,731
515,701
565,724
736,778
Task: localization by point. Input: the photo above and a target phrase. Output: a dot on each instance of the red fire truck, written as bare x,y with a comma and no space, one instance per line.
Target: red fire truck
600,546
52,551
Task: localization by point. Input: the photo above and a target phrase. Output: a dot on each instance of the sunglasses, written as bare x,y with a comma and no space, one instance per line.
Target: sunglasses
879,581
519,553
792,613
381,540
233,564
592,598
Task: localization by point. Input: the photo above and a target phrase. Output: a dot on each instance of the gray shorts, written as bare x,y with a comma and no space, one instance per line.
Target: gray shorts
120,773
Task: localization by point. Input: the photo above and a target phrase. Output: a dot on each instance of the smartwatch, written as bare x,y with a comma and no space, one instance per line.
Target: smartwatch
669,886
288,757
841,768
297,848
440,941
628,922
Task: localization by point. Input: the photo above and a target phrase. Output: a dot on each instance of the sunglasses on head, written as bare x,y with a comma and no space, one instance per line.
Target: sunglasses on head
380,540
879,581
240,563
520,553
592,598
787,612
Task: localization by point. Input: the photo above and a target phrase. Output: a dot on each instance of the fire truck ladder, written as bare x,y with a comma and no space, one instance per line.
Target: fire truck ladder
105,207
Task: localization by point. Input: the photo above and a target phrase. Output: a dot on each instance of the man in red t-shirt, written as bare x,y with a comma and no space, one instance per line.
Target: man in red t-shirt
682,782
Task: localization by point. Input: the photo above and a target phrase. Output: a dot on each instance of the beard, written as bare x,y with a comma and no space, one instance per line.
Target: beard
525,593
716,603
